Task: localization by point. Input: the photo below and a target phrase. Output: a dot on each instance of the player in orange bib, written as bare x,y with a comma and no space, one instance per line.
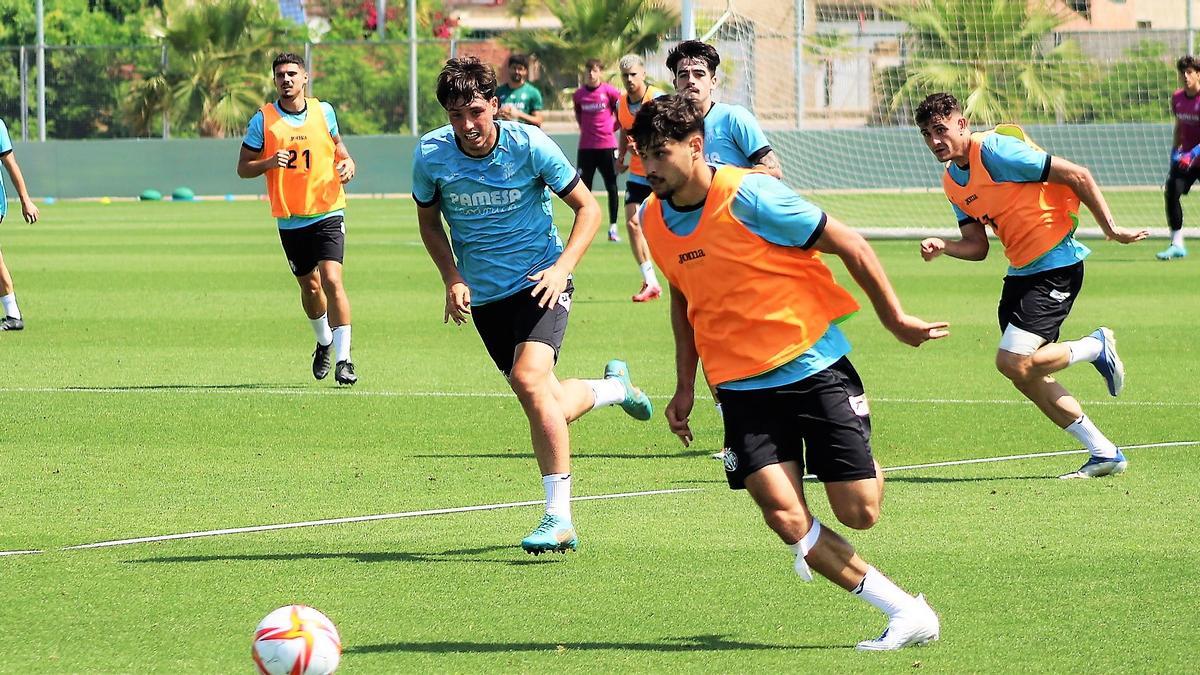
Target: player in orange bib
751,297
1001,179
637,92
295,143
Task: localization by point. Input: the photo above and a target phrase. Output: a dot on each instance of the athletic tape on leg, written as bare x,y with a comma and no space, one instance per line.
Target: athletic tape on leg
806,543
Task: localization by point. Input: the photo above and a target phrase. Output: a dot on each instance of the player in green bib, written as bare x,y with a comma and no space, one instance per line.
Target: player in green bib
519,100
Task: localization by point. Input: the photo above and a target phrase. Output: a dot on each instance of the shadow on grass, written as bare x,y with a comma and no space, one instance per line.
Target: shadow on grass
460,555
683,454
697,643
155,387
989,479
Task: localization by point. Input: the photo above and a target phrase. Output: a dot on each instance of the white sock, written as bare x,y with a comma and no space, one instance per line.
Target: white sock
558,494
341,343
802,547
10,306
1177,237
320,328
1091,437
612,227
881,592
608,391
1086,348
648,274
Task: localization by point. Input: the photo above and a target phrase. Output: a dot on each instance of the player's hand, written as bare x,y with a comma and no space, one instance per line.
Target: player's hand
282,157
913,331
1176,155
30,211
678,411
458,302
1123,235
551,282
622,167
345,170
932,248
1184,162
506,112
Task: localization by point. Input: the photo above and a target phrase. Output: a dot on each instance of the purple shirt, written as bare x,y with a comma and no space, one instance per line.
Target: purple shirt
1187,118
596,112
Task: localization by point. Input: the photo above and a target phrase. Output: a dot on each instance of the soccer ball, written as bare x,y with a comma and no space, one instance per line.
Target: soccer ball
296,640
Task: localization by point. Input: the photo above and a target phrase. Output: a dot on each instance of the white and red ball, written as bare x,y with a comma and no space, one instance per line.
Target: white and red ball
296,640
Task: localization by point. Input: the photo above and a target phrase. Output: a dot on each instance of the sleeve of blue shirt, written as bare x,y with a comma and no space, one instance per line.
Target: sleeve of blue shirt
550,163
774,212
5,141
254,133
425,189
963,218
1011,160
330,119
748,134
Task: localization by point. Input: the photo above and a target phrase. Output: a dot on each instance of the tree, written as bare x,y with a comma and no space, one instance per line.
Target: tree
592,29
992,54
218,73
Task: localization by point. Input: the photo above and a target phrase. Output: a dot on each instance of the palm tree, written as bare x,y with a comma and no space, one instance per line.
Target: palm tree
592,29
219,56
992,54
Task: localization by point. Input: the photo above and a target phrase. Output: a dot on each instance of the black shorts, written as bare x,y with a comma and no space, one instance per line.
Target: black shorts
592,159
1039,303
822,419
307,246
636,193
506,323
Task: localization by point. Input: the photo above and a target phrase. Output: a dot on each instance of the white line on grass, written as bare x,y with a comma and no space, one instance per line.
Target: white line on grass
217,389
508,505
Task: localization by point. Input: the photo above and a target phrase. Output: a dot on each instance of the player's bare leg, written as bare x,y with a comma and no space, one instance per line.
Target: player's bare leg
338,303
651,288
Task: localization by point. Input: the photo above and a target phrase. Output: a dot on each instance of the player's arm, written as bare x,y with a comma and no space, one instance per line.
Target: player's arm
1081,182
28,209
251,166
860,260
622,150
972,245
343,162
552,281
687,358
437,244
769,162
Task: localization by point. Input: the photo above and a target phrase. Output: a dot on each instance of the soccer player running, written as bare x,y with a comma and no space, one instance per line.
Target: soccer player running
637,92
596,114
295,143
731,134
491,182
520,101
1000,179
751,298
11,317
1185,152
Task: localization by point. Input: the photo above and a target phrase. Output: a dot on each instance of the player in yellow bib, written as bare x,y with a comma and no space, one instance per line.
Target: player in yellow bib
1001,179
295,143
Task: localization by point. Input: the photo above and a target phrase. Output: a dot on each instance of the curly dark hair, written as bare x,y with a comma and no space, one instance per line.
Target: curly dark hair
1185,62
288,57
666,117
691,50
936,106
461,80
518,60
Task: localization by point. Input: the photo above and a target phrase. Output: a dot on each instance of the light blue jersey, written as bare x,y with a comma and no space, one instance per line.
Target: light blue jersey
1011,160
254,141
732,136
771,210
498,206
5,148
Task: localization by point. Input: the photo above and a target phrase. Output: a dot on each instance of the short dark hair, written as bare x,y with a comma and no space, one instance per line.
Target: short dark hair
594,63
287,57
693,50
517,59
936,106
666,117
1185,62
461,80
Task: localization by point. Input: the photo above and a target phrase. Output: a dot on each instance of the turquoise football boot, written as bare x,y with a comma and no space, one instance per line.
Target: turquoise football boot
554,533
636,403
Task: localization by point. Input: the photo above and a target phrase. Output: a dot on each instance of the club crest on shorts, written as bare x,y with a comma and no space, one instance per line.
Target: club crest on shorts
731,460
859,405
564,299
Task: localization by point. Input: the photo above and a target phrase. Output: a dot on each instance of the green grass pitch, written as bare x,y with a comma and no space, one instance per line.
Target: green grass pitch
162,386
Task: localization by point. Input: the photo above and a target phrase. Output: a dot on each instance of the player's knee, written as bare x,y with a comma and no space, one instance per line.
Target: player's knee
1015,367
789,524
859,516
525,381
633,227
